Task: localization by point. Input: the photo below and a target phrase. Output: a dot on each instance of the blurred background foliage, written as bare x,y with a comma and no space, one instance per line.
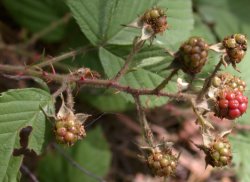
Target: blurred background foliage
98,23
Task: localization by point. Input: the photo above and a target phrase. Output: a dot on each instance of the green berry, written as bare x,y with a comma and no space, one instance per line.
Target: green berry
219,153
230,43
162,163
154,13
240,38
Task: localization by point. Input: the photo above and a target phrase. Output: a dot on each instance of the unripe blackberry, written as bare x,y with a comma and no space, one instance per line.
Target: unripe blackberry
162,163
192,55
219,153
69,131
226,80
230,104
69,126
236,47
156,19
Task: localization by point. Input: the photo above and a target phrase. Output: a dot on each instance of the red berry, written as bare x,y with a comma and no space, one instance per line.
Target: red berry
230,96
61,131
239,98
243,107
234,113
245,99
233,104
223,103
69,137
237,92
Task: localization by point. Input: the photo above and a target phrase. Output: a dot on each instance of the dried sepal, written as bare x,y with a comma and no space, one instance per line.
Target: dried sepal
217,48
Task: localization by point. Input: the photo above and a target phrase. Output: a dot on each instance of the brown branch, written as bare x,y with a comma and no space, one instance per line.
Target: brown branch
137,45
147,132
96,83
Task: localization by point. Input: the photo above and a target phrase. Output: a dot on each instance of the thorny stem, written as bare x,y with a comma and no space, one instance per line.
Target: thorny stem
97,83
200,119
47,30
165,81
137,45
64,56
208,81
147,132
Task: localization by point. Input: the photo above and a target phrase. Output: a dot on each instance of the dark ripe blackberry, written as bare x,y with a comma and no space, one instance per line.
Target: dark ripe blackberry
192,55
156,19
236,47
162,163
219,153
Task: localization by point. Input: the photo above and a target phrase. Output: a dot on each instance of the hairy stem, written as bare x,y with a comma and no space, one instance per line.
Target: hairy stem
208,81
96,83
137,45
147,132
65,56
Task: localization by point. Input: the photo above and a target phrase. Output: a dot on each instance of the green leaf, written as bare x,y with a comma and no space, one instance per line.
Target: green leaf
137,79
37,15
228,16
240,145
202,30
180,20
41,83
19,109
106,100
92,154
101,20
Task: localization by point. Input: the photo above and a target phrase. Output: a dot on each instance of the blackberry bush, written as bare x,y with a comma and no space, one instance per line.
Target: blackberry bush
104,67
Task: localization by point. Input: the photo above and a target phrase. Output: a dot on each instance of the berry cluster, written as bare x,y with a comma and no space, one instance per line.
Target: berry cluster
236,46
219,153
223,80
192,55
155,19
69,131
231,104
162,163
